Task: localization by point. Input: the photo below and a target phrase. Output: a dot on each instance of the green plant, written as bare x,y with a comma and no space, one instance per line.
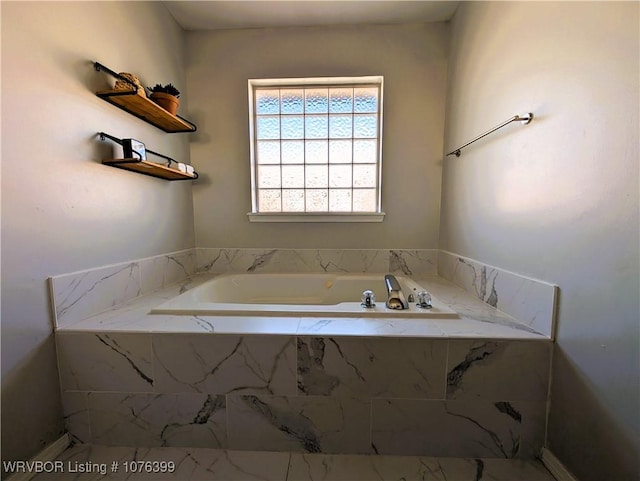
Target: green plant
167,89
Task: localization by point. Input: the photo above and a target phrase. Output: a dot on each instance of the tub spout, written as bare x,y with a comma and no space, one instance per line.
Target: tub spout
395,296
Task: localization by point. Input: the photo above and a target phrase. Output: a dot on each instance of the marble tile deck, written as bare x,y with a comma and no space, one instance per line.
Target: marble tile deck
85,462
475,320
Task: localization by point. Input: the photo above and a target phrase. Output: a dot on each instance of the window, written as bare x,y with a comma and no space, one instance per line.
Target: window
316,148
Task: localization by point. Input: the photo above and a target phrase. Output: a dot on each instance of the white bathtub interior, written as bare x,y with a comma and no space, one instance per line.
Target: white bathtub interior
292,294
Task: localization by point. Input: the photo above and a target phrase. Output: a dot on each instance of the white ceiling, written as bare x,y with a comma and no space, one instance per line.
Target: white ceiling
211,15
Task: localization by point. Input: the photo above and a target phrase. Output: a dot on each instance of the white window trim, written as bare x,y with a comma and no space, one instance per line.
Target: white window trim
254,215
316,217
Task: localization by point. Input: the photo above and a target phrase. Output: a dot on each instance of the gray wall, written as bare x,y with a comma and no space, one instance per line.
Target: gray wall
413,62
557,199
62,210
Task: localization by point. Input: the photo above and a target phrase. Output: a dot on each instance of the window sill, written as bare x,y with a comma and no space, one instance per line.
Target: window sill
316,217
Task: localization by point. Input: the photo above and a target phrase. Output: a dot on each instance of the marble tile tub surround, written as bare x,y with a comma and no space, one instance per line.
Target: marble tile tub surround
316,394
80,295
530,301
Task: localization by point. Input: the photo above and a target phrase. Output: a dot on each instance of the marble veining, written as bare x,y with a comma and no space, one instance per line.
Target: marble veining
498,370
477,428
408,368
299,423
261,260
311,370
90,361
476,354
300,427
508,446
481,277
162,271
413,262
113,344
130,419
223,365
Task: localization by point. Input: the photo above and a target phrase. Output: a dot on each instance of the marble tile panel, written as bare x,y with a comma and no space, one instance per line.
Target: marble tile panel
370,367
292,260
125,419
325,467
299,423
240,325
218,261
413,263
478,428
338,467
93,361
530,301
224,364
341,326
332,467
348,260
495,370
162,271
472,328
79,295
75,408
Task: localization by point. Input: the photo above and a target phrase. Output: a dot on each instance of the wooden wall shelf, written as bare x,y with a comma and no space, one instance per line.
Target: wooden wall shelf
142,107
147,110
150,168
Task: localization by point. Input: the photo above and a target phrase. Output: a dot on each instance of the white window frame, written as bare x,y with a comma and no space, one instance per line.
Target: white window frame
254,215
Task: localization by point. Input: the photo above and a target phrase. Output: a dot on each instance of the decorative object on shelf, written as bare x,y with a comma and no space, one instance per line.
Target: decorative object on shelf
166,97
127,80
133,149
138,163
142,107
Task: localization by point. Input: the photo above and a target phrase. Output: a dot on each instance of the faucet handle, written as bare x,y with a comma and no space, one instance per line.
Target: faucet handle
424,300
368,299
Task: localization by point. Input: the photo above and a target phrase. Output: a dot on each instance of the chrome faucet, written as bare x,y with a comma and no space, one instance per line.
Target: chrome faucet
395,296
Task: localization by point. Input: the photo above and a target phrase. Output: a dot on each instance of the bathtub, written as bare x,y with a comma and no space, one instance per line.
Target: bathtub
302,295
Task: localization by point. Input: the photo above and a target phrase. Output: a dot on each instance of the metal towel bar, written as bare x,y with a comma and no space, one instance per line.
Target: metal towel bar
525,119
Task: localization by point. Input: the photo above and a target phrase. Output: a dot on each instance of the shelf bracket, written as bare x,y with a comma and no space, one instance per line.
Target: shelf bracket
104,136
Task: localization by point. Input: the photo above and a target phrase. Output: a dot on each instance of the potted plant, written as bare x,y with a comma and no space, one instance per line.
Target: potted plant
166,97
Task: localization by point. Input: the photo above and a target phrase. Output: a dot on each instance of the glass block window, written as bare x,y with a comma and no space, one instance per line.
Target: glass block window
316,145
